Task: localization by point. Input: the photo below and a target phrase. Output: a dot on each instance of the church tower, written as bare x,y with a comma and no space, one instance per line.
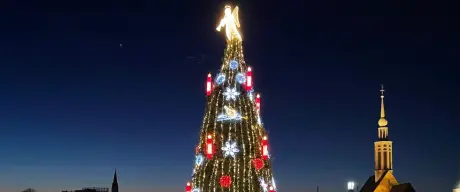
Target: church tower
115,182
383,179
383,152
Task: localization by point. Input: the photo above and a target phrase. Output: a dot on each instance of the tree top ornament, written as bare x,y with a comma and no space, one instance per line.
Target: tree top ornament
231,23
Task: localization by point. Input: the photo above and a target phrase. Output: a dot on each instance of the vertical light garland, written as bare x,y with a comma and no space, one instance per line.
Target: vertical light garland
212,180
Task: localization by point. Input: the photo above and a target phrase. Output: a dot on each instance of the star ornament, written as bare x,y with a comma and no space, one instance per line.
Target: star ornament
231,94
230,149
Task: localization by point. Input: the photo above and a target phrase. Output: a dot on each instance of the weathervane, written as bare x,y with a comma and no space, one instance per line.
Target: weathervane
231,23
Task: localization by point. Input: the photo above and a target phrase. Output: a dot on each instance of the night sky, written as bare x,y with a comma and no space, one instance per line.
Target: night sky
75,105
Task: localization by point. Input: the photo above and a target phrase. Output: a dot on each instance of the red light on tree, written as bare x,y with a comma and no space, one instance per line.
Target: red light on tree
188,187
208,85
249,79
265,148
209,147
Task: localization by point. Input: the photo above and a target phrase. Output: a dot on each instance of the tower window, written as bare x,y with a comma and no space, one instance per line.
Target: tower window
385,160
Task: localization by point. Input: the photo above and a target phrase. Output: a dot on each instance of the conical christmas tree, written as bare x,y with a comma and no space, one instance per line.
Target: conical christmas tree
232,154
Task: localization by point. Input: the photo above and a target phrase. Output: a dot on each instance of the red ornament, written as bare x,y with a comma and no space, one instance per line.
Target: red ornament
188,187
225,181
258,163
271,189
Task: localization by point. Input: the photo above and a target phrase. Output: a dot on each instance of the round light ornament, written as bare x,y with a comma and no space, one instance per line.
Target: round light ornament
199,159
233,64
240,78
220,79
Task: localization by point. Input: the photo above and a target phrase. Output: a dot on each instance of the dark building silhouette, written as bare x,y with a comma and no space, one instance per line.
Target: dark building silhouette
92,189
371,186
115,182
99,189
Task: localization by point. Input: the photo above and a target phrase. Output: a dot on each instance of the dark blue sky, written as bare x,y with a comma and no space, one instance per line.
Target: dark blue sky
74,105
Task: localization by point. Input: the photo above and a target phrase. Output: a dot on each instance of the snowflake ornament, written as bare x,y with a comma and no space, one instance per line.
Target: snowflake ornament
263,184
231,94
230,148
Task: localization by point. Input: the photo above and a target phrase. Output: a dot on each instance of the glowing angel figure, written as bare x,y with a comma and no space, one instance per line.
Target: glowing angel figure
231,23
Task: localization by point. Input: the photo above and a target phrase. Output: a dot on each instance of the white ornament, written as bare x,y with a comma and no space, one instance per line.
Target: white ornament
231,94
230,148
196,190
230,114
263,184
250,95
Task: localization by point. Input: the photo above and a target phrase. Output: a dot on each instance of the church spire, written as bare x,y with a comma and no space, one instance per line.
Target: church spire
115,182
382,121
383,152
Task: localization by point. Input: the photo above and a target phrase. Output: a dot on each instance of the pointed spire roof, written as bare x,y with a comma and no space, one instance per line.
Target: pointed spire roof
382,121
115,180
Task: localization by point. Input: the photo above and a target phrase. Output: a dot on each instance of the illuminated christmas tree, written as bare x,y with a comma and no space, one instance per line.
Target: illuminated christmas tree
232,154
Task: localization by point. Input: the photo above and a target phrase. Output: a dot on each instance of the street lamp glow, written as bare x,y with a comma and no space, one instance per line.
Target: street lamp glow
351,185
